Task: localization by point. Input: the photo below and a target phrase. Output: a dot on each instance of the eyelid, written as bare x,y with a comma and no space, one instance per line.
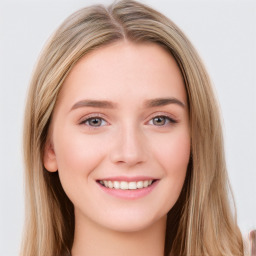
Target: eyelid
167,122
91,116
172,119
163,114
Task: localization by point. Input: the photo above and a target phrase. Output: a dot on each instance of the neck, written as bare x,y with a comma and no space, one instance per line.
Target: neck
92,239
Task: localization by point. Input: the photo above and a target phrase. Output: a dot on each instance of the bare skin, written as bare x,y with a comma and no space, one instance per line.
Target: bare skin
100,241
121,117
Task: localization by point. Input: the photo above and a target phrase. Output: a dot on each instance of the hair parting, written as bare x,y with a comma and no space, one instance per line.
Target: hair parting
201,222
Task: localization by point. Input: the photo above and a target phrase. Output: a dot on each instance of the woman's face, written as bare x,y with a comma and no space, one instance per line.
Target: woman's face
121,120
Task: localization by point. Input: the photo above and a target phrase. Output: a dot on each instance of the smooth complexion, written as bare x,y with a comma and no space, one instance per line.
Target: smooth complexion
121,116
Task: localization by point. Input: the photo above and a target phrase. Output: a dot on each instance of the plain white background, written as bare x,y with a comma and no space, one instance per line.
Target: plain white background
224,33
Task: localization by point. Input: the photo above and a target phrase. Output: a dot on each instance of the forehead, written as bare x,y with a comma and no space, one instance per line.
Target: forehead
125,70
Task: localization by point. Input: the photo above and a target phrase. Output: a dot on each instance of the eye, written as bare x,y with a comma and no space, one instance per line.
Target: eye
94,122
161,120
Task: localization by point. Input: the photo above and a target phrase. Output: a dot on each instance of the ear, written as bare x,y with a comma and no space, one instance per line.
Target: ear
50,162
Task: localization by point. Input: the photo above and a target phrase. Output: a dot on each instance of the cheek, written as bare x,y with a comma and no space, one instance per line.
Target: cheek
75,153
176,155
77,160
173,154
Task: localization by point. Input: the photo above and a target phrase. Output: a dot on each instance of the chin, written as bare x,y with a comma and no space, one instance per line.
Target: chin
133,222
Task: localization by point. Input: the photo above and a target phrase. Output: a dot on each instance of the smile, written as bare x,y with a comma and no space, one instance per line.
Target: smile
128,187
124,185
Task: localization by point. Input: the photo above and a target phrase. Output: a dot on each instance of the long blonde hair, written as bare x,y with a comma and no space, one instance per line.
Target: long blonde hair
201,222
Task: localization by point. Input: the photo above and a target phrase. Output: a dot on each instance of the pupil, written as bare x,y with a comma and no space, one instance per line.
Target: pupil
159,121
95,122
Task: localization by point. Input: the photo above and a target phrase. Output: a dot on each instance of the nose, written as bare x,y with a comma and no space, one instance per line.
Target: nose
129,147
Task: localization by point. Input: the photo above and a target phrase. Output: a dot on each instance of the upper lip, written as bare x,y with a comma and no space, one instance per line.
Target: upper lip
128,179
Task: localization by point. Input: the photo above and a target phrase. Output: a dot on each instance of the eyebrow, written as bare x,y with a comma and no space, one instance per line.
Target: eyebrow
163,102
158,102
94,104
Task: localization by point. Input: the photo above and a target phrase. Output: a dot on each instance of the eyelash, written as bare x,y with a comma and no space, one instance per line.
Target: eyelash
93,117
168,121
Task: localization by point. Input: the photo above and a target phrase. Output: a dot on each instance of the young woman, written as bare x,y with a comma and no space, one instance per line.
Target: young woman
123,143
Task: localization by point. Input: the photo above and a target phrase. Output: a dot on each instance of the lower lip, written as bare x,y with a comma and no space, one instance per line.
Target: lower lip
129,193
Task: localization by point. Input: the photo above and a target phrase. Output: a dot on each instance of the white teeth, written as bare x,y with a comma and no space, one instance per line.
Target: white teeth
110,184
132,185
124,185
116,185
139,184
145,183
